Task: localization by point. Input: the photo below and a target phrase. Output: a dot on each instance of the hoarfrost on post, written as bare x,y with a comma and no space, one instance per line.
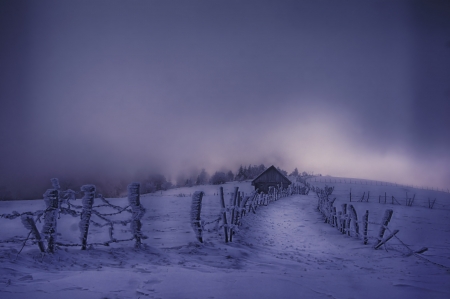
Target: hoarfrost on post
49,229
196,208
87,202
55,183
137,211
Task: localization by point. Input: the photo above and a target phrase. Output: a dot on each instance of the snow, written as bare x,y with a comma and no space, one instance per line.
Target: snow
285,250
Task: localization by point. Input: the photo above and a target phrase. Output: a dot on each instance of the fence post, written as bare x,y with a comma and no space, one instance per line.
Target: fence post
354,216
225,224
384,223
137,211
344,221
387,239
233,212
50,217
339,220
237,214
334,217
366,224
28,222
87,201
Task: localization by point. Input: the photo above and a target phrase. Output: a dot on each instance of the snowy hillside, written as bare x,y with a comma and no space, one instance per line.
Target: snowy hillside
285,250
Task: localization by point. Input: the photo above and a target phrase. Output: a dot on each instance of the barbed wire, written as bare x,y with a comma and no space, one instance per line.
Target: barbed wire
67,207
351,230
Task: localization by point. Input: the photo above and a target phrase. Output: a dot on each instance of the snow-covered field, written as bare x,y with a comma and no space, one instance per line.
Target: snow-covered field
285,250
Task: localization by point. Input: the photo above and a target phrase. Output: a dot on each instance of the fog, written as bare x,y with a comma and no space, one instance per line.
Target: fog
92,90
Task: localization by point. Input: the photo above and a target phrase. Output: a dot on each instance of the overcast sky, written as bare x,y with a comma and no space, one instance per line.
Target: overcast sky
108,88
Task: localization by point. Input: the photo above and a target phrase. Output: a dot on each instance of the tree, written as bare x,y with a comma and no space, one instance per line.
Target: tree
241,176
230,176
295,172
202,178
218,178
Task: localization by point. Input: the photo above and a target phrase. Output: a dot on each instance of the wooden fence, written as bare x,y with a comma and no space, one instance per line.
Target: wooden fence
59,202
316,179
346,220
408,200
231,215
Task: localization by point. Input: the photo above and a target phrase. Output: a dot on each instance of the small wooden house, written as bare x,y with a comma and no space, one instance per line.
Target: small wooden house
271,177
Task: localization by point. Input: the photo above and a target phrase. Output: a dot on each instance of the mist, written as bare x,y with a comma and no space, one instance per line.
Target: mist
111,90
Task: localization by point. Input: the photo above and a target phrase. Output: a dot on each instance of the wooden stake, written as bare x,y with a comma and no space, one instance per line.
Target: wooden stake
137,211
224,215
344,220
196,208
49,229
384,223
88,201
354,216
28,222
366,225
233,212
387,239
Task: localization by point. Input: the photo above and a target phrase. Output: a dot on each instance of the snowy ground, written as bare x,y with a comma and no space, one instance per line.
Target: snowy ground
285,250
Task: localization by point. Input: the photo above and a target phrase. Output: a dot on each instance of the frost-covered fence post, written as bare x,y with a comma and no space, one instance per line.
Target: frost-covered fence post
28,222
237,213
233,213
87,202
225,224
334,217
196,209
431,203
50,217
387,239
362,198
344,218
384,223
339,220
354,216
137,211
55,185
329,211
366,225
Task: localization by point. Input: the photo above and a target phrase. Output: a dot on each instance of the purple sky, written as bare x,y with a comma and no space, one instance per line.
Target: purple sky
108,88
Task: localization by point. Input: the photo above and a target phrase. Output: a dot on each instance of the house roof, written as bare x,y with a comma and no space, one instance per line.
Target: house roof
272,168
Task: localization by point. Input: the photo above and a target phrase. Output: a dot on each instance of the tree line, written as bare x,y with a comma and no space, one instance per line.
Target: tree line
153,182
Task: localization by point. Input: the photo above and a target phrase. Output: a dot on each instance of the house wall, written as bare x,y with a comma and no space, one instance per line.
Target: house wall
270,178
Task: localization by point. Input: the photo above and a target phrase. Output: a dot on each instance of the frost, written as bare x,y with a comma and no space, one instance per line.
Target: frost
87,202
137,211
55,183
50,216
196,208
